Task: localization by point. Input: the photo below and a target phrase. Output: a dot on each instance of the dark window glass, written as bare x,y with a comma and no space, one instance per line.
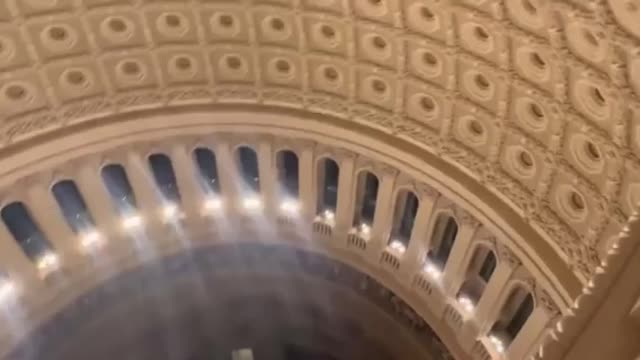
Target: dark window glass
409,210
25,231
369,198
520,317
449,230
288,173
118,186
488,266
73,206
248,166
208,169
329,173
164,177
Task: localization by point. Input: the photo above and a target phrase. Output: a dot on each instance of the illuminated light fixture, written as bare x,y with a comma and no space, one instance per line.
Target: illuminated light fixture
132,221
213,203
398,246
170,211
91,240
7,289
251,203
497,343
365,229
290,206
329,215
432,270
466,303
48,262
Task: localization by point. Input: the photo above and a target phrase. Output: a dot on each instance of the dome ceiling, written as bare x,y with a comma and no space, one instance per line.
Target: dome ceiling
534,101
530,107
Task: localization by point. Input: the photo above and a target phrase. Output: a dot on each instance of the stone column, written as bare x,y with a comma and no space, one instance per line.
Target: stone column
147,195
383,218
414,257
268,179
48,215
96,196
524,342
228,173
191,193
488,306
454,269
15,263
307,185
344,211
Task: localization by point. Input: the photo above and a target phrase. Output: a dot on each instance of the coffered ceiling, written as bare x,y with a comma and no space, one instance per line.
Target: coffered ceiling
538,101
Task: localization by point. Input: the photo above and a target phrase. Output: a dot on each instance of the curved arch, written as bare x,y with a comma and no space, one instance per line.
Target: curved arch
146,125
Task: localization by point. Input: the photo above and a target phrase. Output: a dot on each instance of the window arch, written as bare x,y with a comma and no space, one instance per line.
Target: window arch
288,173
73,207
404,217
25,231
514,314
247,162
327,177
164,177
443,237
207,169
479,272
117,183
366,198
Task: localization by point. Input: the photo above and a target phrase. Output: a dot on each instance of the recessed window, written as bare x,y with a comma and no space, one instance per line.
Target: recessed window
288,173
247,161
115,180
25,231
207,169
442,239
328,174
366,197
405,212
164,177
72,206
514,314
479,272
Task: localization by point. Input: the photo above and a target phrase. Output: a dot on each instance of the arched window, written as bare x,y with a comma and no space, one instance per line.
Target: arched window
115,180
366,197
479,271
328,174
513,316
404,217
73,207
25,231
443,238
288,173
248,168
164,177
207,169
